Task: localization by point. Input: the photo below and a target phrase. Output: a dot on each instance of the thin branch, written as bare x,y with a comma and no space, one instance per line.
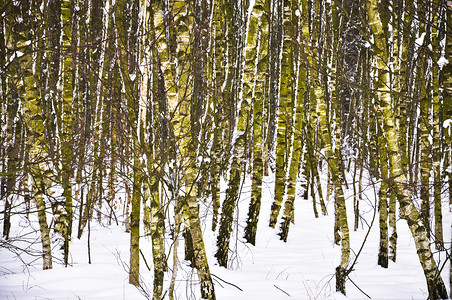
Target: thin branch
358,287
282,290
227,282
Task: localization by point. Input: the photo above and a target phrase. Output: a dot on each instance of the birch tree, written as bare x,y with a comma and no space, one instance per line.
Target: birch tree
435,284
257,41
238,18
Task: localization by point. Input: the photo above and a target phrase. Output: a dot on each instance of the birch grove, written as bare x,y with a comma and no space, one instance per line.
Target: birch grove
153,115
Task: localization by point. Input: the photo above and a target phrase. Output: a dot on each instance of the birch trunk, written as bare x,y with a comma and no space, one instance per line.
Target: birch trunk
257,37
299,92
409,212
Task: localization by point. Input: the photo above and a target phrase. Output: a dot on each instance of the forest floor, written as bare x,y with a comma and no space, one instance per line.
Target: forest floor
302,268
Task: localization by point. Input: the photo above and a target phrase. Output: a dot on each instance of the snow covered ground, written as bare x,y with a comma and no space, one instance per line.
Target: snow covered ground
302,268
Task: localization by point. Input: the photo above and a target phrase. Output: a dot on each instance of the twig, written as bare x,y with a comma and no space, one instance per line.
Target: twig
145,261
350,269
358,287
282,290
217,281
227,282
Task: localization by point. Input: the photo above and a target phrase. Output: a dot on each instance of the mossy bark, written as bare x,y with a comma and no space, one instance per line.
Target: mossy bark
299,75
257,38
285,114
39,190
409,212
275,51
383,202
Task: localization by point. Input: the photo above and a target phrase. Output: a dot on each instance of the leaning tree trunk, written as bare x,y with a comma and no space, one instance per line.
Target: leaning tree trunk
189,132
28,89
194,226
333,165
334,170
435,284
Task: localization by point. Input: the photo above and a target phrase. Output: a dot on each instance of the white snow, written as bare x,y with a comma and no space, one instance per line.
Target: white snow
420,40
302,268
442,61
